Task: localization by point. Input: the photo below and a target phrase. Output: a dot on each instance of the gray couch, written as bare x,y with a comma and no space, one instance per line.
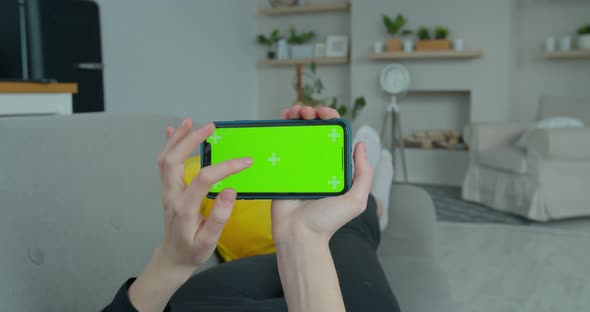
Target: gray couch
80,213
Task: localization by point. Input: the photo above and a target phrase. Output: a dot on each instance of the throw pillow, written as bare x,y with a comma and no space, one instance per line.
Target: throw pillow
548,123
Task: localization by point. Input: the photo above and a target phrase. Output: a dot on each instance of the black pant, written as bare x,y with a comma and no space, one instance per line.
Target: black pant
253,284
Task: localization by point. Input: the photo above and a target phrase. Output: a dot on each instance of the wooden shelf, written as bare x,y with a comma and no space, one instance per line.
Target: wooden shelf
306,8
447,54
36,87
317,61
574,54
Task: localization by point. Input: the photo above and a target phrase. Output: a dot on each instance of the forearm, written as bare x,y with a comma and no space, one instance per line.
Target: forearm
308,275
156,284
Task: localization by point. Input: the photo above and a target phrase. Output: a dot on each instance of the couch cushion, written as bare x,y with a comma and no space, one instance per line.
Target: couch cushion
510,159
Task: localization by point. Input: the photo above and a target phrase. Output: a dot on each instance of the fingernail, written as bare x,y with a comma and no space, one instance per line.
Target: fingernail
184,122
247,161
363,149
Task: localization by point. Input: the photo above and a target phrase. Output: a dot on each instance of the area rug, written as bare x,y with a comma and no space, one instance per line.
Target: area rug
507,268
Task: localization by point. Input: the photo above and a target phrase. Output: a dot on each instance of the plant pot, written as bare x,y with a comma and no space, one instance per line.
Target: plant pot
282,49
430,45
270,55
394,45
584,42
301,51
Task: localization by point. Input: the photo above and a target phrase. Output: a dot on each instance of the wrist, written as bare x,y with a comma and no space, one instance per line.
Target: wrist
296,236
160,279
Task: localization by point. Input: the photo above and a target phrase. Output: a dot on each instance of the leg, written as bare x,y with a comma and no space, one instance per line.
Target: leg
363,283
247,284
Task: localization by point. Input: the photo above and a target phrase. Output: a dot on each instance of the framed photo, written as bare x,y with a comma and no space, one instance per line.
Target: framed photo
337,46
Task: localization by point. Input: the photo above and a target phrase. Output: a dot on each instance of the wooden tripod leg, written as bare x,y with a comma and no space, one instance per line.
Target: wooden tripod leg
400,141
298,85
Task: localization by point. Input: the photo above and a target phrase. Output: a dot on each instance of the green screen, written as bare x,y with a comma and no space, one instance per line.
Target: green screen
286,159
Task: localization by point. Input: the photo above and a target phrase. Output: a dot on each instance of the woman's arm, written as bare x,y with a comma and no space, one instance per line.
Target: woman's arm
302,231
189,237
308,275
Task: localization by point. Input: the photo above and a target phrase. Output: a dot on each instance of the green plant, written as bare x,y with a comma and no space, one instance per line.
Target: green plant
301,38
424,33
407,32
395,25
270,40
441,33
313,88
584,30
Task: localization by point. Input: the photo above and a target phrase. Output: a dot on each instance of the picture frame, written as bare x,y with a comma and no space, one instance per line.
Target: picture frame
337,46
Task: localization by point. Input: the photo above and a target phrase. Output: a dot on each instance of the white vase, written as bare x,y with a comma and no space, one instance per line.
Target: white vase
550,44
378,47
301,51
282,50
458,45
565,43
408,45
584,42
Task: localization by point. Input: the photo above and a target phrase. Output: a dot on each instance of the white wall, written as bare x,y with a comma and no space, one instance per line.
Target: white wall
276,84
480,87
182,57
534,76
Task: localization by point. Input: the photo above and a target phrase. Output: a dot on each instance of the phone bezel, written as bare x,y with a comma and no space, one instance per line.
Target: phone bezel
206,161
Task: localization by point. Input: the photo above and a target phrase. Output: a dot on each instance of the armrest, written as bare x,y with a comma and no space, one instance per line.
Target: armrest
565,144
486,135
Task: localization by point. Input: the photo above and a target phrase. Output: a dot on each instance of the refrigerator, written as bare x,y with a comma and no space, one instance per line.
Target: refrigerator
54,41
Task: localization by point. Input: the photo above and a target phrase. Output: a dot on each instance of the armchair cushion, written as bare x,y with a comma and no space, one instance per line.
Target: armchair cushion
548,123
506,158
483,136
562,144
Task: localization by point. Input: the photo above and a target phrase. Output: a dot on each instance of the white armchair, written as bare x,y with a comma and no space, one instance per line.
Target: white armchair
548,180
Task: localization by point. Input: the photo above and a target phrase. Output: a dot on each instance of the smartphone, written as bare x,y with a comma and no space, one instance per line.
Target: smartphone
291,158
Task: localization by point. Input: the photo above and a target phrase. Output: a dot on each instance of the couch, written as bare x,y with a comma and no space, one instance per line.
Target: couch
550,179
80,213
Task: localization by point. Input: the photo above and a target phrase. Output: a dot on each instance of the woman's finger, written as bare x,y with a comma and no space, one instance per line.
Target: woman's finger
174,159
295,112
285,113
169,132
208,234
309,113
210,175
363,174
175,137
327,113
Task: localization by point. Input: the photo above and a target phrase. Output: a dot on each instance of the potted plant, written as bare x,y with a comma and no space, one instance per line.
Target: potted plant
394,28
584,37
269,42
299,44
439,42
312,95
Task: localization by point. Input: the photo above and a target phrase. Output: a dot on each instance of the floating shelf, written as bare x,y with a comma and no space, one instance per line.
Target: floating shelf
307,8
447,54
317,61
574,54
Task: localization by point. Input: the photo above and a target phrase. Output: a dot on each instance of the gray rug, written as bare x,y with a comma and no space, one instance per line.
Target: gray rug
450,207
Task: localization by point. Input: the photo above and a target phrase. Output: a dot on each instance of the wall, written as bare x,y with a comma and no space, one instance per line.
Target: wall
534,76
186,58
482,86
276,84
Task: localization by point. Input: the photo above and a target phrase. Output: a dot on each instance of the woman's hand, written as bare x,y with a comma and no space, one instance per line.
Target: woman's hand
321,218
189,237
301,230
